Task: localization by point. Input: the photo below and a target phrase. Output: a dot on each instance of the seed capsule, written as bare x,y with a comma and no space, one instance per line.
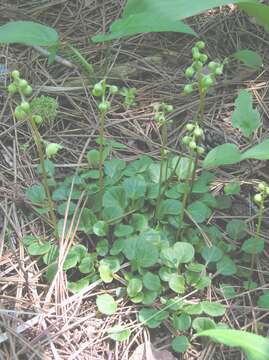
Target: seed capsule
192,145
212,65
15,74
219,70
186,140
19,113
261,186
37,119
113,89
189,72
207,81
97,90
27,91
258,198
200,150
198,132
52,149
104,106
22,83
203,58
12,89
188,89
200,45
169,108
25,106
190,127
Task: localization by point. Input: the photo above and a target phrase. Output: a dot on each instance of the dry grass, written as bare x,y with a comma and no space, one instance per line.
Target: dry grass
41,321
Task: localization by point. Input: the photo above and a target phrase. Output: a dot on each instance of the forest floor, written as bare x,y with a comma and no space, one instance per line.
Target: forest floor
39,321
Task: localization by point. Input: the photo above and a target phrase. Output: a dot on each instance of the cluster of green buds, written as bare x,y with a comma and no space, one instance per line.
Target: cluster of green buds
193,139
52,149
129,96
204,73
263,193
104,91
22,87
160,111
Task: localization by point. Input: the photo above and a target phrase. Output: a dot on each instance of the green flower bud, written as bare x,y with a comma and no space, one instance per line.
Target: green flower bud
15,74
97,90
203,58
37,119
198,65
200,45
12,88
258,198
22,84
52,149
186,140
169,108
19,113
218,71
189,72
188,89
195,53
104,106
190,127
27,91
262,186
25,106
198,132
212,65
192,145
113,89
200,150
207,81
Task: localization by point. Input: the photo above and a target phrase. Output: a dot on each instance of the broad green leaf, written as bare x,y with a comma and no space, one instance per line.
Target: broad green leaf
193,309
76,286
177,283
37,248
183,251
68,207
139,222
225,154
102,247
114,167
28,33
36,194
169,258
182,168
87,219
135,187
212,254
93,158
123,230
226,266
201,185
259,11
236,229
152,317
117,247
106,304
151,281
263,300
134,287
250,58
255,346
71,260
257,152
199,211
149,297
112,262
87,264
105,273
228,290
100,228
119,333
232,188
61,193
168,207
244,116
52,255
182,322
180,344
146,255
213,308
115,200
165,273
203,323
253,245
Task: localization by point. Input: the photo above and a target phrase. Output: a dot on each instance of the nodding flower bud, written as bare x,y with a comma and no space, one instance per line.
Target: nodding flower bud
97,90
113,89
261,186
12,89
104,106
189,72
207,81
188,89
37,119
190,127
186,140
52,149
27,91
200,150
218,71
192,145
25,106
200,45
212,65
19,113
203,58
195,53
198,132
169,108
22,83
15,74
258,198
198,65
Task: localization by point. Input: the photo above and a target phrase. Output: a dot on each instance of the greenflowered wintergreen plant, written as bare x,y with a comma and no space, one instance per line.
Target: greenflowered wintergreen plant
203,74
160,112
103,91
24,112
259,199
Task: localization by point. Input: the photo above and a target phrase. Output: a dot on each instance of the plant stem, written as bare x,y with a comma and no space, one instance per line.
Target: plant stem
163,158
186,193
101,157
257,237
38,142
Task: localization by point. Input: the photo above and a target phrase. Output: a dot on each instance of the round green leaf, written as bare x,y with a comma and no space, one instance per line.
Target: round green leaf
183,251
182,322
151,281
106,304
119,333
213,308
134,287
180,344
199,211
236,229
105,273
226,266
263,300
203,323
39,248
253,246
123,230
100,228
152,317
212,254
177,283
102,247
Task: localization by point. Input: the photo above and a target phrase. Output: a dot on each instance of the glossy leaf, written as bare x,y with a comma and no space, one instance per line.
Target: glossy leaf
250,58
